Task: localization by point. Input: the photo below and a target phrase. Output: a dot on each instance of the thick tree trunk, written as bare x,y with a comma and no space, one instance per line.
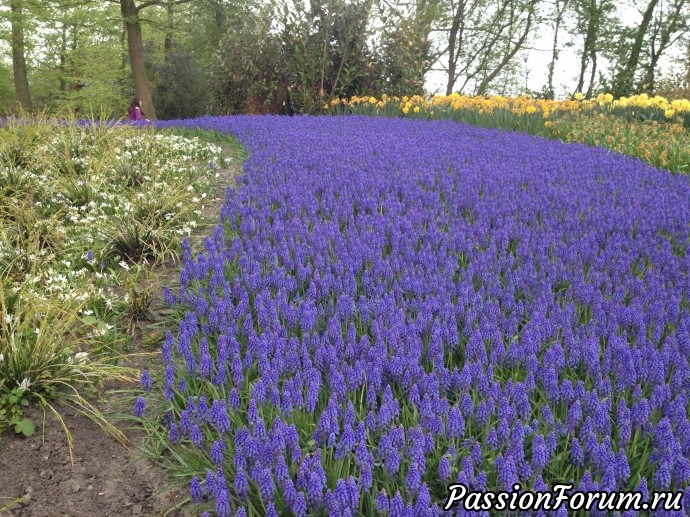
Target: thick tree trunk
21,82
135,48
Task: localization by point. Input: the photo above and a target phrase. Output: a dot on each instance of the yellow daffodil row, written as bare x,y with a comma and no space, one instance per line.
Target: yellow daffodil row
522,105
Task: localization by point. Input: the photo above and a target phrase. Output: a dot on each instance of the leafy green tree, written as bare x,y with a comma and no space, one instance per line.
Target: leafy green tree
19,69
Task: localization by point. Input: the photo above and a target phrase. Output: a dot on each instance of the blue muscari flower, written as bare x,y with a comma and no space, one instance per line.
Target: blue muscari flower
89,256
483,413
219,416
455,427
396,506
574,417
173,434
139,407
234,399
444,469
662,477
540,455
423,502
196,435
206,365
413,479
281,471
382,504
241,484
503,431
195,490
492,439
266,486
271,510
506,471
217,452
146,381
576,453
210,483
182,385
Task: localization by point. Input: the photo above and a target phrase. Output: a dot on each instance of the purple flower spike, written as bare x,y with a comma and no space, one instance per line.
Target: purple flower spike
139,407
195,490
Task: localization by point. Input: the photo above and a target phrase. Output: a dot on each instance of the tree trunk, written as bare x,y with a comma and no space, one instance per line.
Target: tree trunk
624,81
168,42
590,37
560,9
63,59
666,28
21,82
455,43
452,52
135,48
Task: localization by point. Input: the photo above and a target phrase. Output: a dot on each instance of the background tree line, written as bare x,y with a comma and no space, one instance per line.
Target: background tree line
189,57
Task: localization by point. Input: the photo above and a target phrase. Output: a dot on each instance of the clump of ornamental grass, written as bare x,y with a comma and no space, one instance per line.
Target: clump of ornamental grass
45,356
138,296
25,224
151,227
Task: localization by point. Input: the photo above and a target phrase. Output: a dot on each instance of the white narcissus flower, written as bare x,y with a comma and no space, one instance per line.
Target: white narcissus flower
24,385
81,357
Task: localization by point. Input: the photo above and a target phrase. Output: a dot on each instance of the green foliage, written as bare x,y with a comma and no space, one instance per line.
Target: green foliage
12,406
6,90
180,86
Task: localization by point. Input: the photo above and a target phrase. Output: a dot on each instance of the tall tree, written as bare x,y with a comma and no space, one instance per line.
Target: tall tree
593,23
483,38
624,80
519,28
407,51
135,47
21,81
559,10
670,24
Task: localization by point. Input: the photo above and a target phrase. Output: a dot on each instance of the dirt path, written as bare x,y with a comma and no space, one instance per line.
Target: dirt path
106,479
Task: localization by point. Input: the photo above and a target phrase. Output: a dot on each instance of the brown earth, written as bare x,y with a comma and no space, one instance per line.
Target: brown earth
106,479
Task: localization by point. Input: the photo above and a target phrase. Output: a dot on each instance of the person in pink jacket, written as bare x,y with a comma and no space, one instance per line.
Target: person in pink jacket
135,113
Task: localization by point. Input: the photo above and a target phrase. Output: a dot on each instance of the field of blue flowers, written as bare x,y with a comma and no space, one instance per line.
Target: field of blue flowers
388,306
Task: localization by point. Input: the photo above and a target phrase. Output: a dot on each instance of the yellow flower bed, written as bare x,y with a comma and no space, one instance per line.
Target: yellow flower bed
517,105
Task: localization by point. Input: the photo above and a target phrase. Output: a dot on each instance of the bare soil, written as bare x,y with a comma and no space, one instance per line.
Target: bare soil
106,479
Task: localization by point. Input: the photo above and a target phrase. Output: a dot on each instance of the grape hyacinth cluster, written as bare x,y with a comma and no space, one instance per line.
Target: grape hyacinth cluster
388,306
